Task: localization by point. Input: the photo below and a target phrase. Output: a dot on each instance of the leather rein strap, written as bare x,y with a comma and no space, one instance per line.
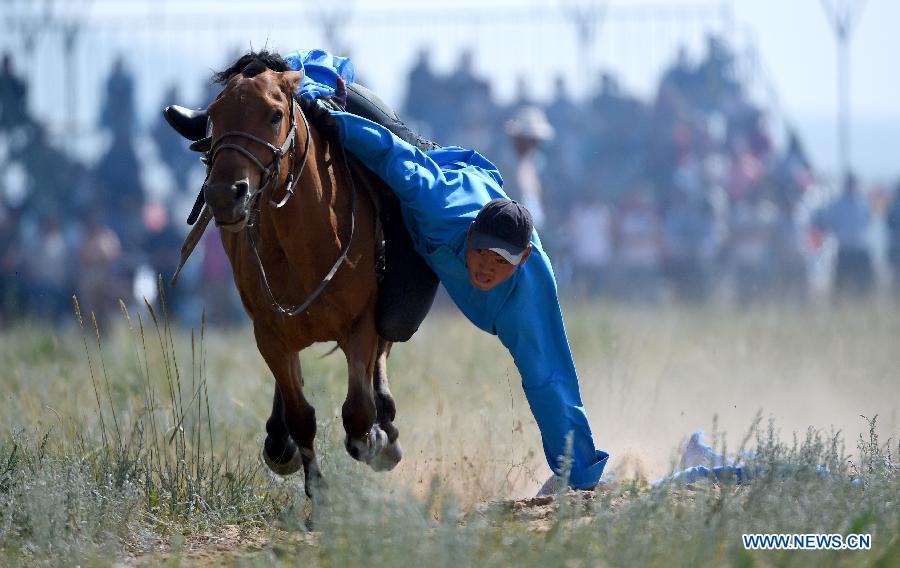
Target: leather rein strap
278,307
291,312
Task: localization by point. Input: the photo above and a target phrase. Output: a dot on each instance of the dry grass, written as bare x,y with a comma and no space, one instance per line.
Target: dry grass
131,483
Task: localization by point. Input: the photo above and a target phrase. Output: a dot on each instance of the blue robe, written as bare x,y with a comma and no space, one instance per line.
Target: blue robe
441,192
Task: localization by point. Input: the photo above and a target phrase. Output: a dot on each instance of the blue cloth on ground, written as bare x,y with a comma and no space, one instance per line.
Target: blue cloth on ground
719,468
721,473
738,474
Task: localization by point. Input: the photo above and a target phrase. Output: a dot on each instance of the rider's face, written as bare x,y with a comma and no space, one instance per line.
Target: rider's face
488,269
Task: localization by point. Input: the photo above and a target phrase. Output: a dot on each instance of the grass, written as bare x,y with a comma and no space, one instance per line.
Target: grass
140,442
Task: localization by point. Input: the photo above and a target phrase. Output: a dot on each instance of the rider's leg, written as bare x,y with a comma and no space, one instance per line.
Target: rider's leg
408,287
407,290
363,102
189,123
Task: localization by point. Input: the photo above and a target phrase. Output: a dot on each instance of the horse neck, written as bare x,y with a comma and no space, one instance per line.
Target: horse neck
314,223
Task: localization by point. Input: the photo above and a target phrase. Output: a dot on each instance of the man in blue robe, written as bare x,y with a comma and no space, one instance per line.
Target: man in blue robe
483,248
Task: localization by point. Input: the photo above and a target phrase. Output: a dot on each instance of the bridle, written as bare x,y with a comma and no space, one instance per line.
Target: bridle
271,173
273,170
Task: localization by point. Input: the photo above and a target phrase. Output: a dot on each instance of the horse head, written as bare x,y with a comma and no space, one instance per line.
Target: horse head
254,138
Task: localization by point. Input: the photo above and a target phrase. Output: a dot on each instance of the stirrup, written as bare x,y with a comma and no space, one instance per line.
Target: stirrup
189,123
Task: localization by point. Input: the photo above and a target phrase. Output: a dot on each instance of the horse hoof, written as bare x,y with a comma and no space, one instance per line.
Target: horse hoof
366,449
293,465
388,458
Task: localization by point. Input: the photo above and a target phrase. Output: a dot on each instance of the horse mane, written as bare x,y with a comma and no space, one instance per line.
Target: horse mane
251,65
256,62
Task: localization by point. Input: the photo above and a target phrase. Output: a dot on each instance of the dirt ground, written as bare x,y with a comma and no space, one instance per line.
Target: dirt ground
262,544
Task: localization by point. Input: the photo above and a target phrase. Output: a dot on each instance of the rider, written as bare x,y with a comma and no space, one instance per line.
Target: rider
483,247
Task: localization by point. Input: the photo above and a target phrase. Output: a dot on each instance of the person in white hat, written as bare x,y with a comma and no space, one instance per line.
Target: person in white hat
527,129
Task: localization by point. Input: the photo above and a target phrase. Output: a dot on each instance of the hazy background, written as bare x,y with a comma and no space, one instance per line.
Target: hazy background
791,46
712,271
676,116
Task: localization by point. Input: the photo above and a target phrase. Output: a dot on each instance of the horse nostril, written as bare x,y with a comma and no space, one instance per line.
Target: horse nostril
240,189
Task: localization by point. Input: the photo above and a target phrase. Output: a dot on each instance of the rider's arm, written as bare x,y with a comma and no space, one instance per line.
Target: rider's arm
530,325
415,178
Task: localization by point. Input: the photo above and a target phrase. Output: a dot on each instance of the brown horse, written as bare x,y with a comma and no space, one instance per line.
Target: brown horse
290,219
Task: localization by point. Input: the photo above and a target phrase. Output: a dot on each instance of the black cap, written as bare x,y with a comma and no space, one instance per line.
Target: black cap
504,226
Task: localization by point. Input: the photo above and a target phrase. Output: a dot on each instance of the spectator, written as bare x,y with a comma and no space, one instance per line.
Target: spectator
688,226
52,175
11,282
716,74
99,283
162,248
616,135
425,97
848,220
421,86
527,129
118,172
680,77
753,221
476,111
565,151
459,93
638,252
893,229
47,270
590,227
13,97
172,149
118,114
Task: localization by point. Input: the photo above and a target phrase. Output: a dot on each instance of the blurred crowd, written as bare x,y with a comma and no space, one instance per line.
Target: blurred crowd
68,227
685,197
681,198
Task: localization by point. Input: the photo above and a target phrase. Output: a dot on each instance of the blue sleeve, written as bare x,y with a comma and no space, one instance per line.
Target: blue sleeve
320,71
420,183
530,325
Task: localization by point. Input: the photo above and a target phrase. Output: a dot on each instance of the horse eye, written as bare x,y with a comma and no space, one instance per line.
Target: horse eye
276,118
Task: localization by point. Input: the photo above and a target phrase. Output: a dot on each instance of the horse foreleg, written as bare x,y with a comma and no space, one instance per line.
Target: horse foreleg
365,439
386,410
293,419
280,452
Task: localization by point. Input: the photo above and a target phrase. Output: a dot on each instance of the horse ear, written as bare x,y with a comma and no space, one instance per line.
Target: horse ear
291,81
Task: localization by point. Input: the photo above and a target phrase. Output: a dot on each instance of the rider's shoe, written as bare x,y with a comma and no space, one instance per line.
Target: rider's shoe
555,485
189,123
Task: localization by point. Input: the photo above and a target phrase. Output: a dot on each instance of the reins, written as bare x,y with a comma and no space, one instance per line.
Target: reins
290,312
273,172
